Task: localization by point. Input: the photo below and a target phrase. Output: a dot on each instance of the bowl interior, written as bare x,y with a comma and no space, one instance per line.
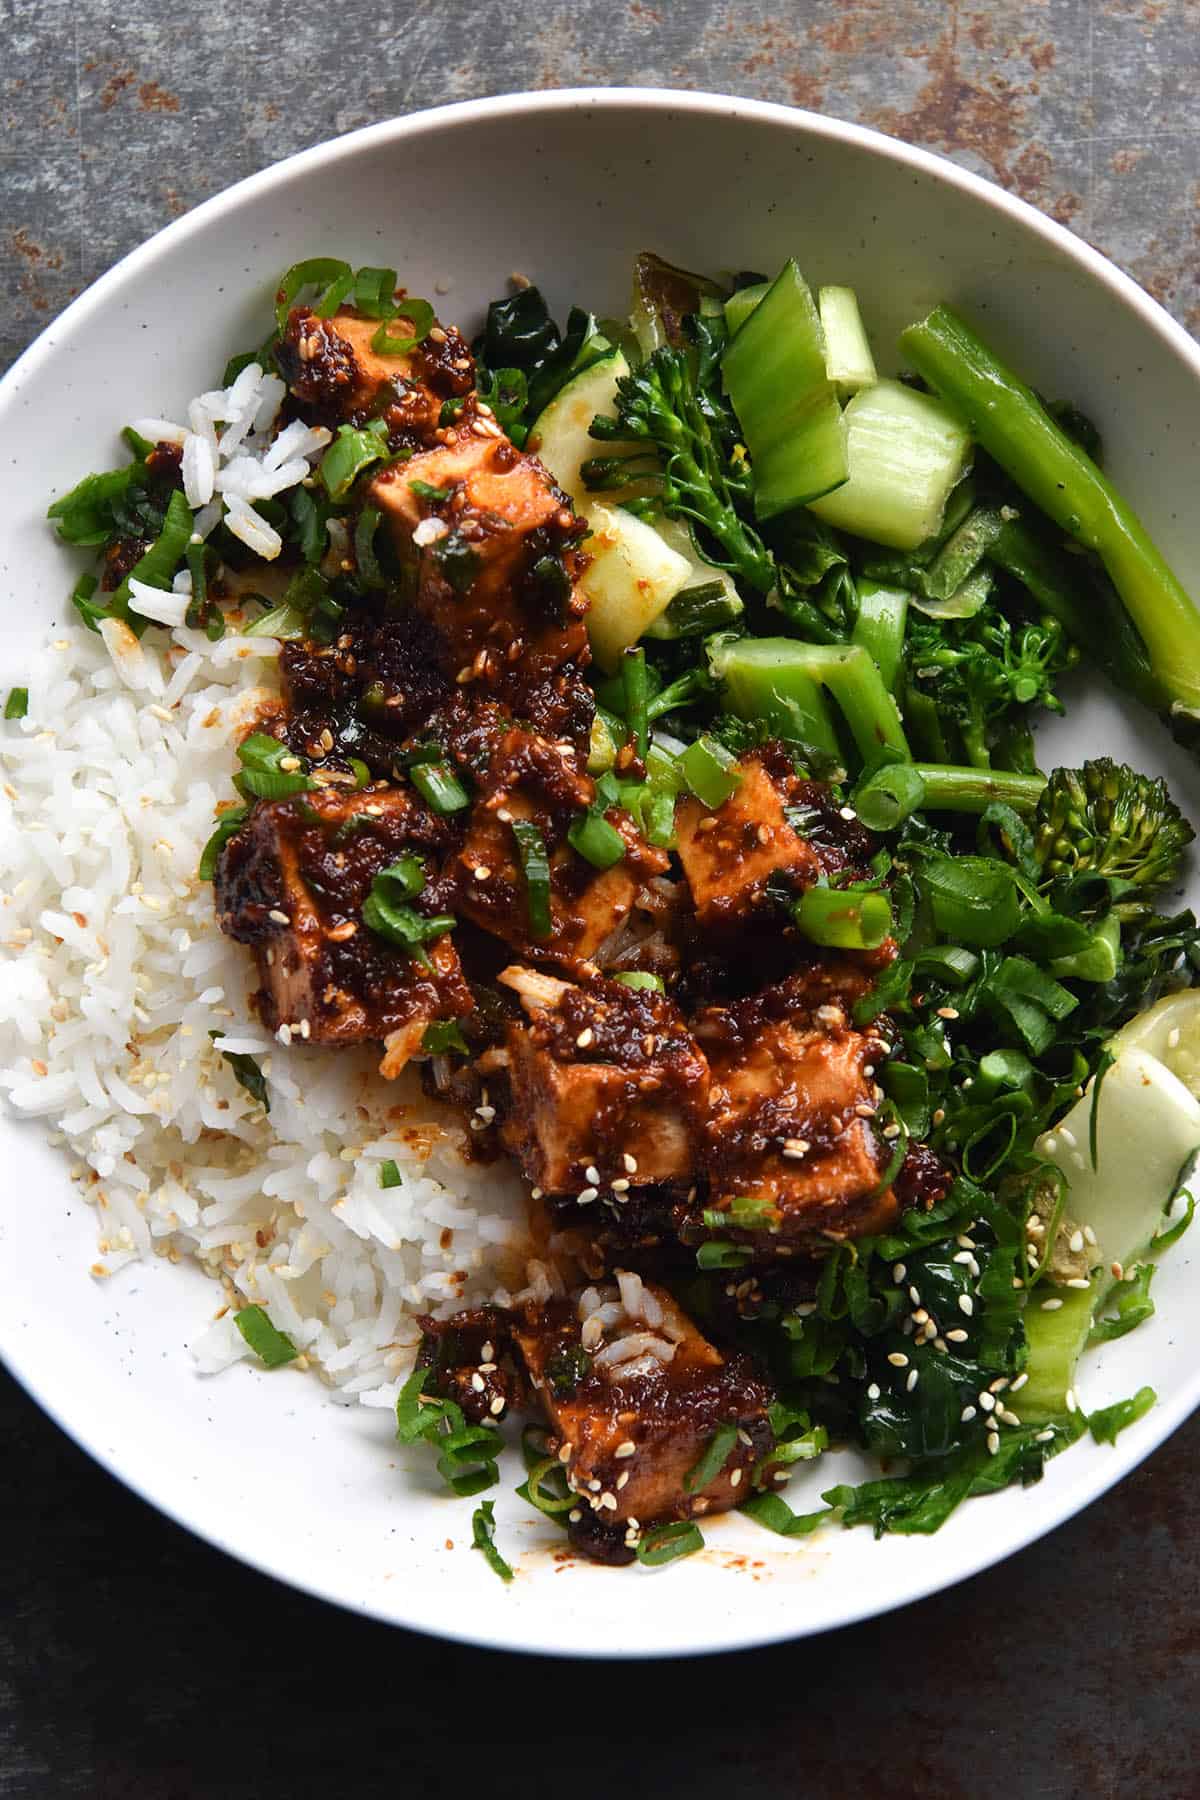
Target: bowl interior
564,189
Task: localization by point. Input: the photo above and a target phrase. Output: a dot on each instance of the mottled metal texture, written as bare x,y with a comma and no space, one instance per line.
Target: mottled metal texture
135,1662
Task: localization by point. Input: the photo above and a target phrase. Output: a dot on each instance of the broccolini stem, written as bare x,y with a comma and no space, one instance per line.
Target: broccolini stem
951,789
1010,422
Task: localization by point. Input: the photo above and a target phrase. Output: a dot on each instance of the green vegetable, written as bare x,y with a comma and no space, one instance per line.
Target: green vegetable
786,404
905,453
774,1514
467,1454
844,918
741,304
17,704
535,865
1105,819
979,671
545,1487
350,453
444,1037
270,771
668,1543
328,273
420,317
389,1174
1133,1303
974,898
247,1074
1107,1424
438,784
230,822
272,1347
386,912
848,356
716,1455
663,404
946,788
483,1537
640,978
710,771
1060,478
596,840
879,628
636,699
889,796
777,680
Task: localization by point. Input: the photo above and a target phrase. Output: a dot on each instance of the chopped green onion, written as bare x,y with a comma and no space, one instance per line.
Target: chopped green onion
369,571
720,1254
640,978
1174,1230
272,1347
844,918
386,913
710,771
773,1512
467,1460
1107,1424
263,775
17,704
531,847
375,293
667,1543
885,799
716,1455
457,561
282,622
443,1037
549,1473
1133,1303
389,1174
420,317
745,1212
439,786
636,690
424,490
483,1537
350,453
229,823
334,277
247,1074
81,600
361,773
596,840
157,567
974,899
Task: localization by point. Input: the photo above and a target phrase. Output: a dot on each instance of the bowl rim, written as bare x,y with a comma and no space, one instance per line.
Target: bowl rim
1170,1413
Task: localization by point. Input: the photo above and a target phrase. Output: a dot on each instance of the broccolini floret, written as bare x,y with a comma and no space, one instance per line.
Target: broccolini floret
1106,819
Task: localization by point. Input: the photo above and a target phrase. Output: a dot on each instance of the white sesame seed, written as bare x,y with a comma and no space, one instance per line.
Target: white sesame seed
1018,1384
873,1391
914,1296
966,1304
736,1477
477,1382
891,1131
1008,1417
966,1415
965,1242
1043,1437
593,1487
535,1193
1051,1305
587,1194
899,1272
1075,1243
1089,1235
993,1443
610,1501
914,1375
591,1173
278,918
622,1478
898,1359
964,1257
482,872
587,1036
847,812
574,1515
629,1163
957,1336
1078,1281
1173,1038
1071,1401
987,1401
627,1448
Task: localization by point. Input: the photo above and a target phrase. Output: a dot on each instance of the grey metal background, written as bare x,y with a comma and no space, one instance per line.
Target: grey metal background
136,1664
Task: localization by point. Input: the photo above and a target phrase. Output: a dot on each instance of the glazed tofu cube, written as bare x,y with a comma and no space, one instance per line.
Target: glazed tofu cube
608,1088
731,853
292,883
494,549
535,780
790,1123
332,368
634,1394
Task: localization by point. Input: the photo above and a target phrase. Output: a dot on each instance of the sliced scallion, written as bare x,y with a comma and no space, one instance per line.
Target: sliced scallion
17,704
334,278
419,315
716,1455
640,978
596,840
439,786
272,1347
668,1543
535,865
389,1174
483,1537
710,771
229,823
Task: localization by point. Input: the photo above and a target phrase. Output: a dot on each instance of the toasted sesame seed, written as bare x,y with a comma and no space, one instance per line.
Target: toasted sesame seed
277,917
966,1304
914,1375
1071,1402
958,1336
477,1382
620,1185
1075,1243
290,763
481,872
1118,1272
587,1194
627,1448
1007,1416
964,1242
966,1415
963,1256
987,1401
574,1515
1089,1235
993,1443
873,1391
1043,1437
1051,1305
939,1117
947,1012
497,1406
629,1163
564,1455
587,1036
622,1478
898,1359
899,1272
920,1317
914,1296
736,1478
1078,1281
591,1173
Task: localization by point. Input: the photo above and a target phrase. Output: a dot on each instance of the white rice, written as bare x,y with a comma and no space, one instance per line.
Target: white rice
113,973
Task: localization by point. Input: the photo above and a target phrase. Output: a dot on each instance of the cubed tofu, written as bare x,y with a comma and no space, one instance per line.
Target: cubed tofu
791,1119
634,1394
292,883
495,555
731,853
338,377
609,1088
533,779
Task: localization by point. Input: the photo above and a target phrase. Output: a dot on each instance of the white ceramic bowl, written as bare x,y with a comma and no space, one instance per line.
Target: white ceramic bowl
565,187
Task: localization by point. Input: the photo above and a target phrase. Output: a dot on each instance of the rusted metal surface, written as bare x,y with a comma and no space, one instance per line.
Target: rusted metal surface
134,1662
